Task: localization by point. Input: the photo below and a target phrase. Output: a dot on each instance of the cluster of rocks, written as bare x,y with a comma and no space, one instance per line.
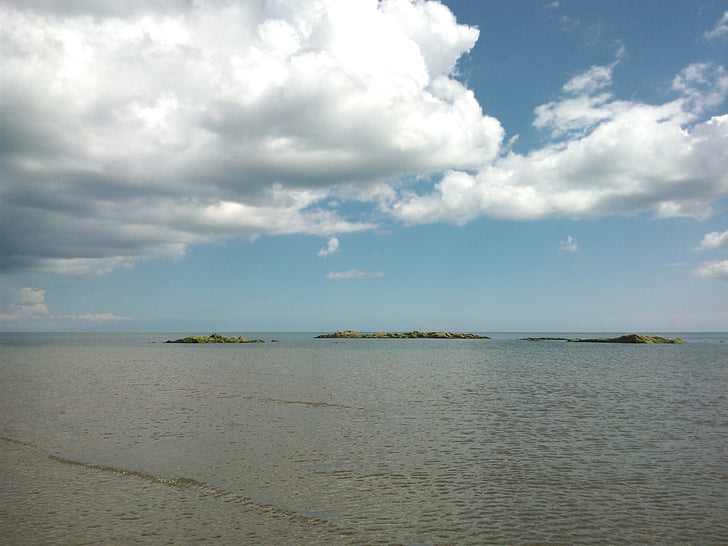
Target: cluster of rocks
628,338
214,338
415,334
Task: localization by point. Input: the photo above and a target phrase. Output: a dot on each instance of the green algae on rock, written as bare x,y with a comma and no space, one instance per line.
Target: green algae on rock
214,338
415,334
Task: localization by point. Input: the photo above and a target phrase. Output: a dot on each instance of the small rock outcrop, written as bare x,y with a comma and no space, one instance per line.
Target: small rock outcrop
546,339
628,338
633,338
214,338
415,334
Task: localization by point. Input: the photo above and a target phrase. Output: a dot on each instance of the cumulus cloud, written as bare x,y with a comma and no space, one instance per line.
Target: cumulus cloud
132,130
331,247
607,157
716,269
720,30
569,244
703,86
355,274
714,240
29,303
95,7
581,109
713,270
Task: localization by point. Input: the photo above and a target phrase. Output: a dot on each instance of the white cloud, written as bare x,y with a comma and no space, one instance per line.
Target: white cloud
132,130
83,266
609,157
703,85
583,110
29,303
569,244
91,317
714,240
720,30
576,115
31,295
713,270
355,274
593,79
331,247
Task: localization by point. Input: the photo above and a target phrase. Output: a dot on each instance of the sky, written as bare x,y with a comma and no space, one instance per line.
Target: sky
318,165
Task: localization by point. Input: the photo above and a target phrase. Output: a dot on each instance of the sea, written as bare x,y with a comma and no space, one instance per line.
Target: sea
125,439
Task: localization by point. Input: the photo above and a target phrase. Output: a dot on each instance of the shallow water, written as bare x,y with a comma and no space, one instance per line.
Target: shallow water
124,438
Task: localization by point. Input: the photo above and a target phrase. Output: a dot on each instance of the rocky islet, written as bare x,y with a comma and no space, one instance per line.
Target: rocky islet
415,334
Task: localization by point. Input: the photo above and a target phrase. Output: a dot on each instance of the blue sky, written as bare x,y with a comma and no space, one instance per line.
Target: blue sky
312,166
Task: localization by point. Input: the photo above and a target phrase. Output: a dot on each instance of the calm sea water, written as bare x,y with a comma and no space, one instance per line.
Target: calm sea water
122,439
